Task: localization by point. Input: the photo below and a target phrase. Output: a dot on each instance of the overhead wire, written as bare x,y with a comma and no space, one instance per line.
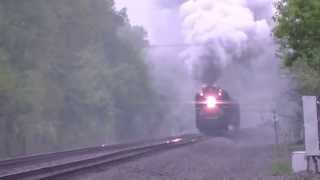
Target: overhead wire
175,45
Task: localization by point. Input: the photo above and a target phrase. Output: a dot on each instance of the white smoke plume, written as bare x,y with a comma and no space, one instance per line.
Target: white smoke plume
231,30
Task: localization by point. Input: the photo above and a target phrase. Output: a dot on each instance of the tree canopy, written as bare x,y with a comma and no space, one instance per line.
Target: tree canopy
72,73
298,31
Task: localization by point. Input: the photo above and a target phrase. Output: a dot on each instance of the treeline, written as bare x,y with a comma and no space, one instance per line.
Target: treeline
72,74
298,31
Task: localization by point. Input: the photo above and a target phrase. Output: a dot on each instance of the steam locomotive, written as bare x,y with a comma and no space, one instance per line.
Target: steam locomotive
216,111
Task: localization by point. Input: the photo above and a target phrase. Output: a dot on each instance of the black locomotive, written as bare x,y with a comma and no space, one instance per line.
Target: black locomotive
216,111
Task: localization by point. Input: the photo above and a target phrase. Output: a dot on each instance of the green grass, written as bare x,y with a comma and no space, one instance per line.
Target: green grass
281,168
281,163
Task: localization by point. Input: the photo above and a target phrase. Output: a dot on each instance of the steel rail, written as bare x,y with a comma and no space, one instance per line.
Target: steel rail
35,158
105,159
48,156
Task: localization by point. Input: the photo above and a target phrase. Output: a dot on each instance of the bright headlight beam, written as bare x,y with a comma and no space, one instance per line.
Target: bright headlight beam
211,102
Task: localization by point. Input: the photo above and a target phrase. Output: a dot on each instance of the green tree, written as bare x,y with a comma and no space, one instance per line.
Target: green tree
72,74
297,28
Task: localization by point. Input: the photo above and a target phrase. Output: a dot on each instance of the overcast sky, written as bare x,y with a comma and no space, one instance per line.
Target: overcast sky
138,12
161,24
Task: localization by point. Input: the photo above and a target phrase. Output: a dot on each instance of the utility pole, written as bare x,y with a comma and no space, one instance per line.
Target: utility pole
275,127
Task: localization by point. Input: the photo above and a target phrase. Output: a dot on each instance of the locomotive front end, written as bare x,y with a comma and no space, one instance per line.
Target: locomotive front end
216,111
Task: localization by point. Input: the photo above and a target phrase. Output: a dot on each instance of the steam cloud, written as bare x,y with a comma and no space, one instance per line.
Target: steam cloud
226,31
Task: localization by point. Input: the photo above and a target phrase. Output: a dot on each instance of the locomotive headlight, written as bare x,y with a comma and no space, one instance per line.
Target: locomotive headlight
211,102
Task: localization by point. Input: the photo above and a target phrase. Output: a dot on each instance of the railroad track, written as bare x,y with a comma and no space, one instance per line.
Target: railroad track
61,164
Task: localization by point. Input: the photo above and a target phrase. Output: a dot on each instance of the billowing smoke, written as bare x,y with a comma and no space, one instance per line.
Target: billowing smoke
224,32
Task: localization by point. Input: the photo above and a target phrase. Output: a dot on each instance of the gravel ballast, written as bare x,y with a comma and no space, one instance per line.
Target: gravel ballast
214,159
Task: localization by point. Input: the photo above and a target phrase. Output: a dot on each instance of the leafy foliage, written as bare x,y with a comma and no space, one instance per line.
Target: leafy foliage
72,73
298,31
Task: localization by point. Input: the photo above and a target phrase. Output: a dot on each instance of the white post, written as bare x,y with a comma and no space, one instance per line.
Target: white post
311,129
301,160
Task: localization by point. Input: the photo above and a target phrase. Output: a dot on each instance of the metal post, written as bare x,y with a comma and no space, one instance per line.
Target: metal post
276,127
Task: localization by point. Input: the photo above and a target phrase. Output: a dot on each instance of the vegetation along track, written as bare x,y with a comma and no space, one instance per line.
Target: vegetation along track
54,165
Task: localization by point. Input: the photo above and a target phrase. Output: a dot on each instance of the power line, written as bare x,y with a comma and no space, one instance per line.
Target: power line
175,45
184,45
